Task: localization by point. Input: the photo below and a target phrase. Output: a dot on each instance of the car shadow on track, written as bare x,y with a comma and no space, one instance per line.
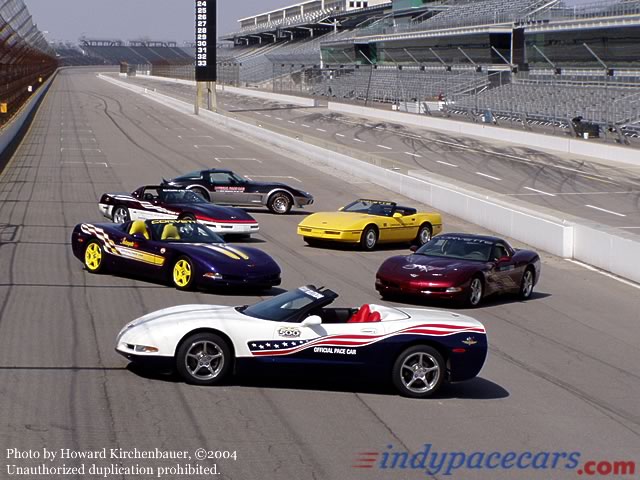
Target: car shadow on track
476,389
400,248
226,291
489,302
292,213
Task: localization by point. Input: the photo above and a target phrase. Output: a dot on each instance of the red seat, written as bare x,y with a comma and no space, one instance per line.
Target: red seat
365,315
361,315
374,317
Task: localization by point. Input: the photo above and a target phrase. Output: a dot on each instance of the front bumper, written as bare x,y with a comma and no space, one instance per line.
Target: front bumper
345,236
151,362
248,281
390,287
302,201
232,228
106,210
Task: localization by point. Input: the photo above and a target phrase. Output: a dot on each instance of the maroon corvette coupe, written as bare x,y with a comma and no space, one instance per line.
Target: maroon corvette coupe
461,267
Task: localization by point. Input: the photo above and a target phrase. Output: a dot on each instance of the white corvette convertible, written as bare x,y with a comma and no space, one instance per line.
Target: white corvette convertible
417,349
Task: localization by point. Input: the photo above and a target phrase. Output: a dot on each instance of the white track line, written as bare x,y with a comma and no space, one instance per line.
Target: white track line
539,191
602,272
306,126
292,122
628,228
413,154
321,129
358,140
488,176
447,164
606,211
339,135
278,118
386,148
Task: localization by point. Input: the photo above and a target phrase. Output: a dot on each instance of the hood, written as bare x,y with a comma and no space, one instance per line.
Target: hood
231,259
336,219
216,212
421,267
182,313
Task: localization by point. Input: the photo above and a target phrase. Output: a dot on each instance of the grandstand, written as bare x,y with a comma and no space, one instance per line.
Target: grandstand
114,52
26,59
534,59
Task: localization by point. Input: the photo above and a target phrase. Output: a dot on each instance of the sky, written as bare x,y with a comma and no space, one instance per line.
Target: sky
68,20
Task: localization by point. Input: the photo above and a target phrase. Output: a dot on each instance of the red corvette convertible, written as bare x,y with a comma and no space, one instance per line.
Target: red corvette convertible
461,267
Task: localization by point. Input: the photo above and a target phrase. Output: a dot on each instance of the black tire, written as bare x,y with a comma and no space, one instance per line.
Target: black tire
120,214
280,203
202,192
369,238
425,234
527,283
473,299
94,257
187,216
182,274
410,374
194,354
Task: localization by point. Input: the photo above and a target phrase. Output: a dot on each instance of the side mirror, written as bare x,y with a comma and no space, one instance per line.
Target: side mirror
397,215
139,236
312,321
414,248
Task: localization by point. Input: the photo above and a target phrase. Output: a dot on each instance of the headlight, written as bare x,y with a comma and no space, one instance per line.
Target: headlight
213,275
142,348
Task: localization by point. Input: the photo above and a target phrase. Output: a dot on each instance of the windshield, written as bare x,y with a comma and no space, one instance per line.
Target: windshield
180,196
283,306
182,231
371,207
460,248
190,176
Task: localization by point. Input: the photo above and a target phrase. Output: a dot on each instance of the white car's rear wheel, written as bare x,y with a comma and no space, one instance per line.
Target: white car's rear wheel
203,359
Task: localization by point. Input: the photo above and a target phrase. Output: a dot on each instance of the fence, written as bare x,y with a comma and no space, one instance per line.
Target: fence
26,60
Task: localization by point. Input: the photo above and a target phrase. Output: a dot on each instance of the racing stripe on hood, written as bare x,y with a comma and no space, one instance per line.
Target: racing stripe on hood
237,251
224,251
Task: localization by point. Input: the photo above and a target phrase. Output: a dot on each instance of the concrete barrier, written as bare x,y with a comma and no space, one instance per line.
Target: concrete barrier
11,134
567,238
248,92
565,144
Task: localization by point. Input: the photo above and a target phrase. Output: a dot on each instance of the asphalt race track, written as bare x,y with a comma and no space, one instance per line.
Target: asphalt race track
601,192
563,372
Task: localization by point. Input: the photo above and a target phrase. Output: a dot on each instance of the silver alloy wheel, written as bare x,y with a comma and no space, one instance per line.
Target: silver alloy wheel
370,239
425,235
281,204
120,215
420,372
205,357
527,284
476,291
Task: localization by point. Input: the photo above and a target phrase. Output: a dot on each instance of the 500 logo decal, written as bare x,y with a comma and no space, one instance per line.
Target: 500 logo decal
289,332
433,462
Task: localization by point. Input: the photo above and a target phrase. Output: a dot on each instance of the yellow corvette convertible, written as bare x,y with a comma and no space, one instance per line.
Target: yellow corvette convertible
369,222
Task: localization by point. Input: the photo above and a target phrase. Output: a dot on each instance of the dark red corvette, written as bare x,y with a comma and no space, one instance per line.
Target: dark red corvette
461,267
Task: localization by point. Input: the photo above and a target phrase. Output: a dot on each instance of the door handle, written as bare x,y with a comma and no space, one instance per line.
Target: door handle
369,330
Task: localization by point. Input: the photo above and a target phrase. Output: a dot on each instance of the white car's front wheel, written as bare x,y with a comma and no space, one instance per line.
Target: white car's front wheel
203,359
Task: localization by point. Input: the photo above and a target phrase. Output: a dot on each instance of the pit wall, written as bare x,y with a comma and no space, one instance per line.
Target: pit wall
12,133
